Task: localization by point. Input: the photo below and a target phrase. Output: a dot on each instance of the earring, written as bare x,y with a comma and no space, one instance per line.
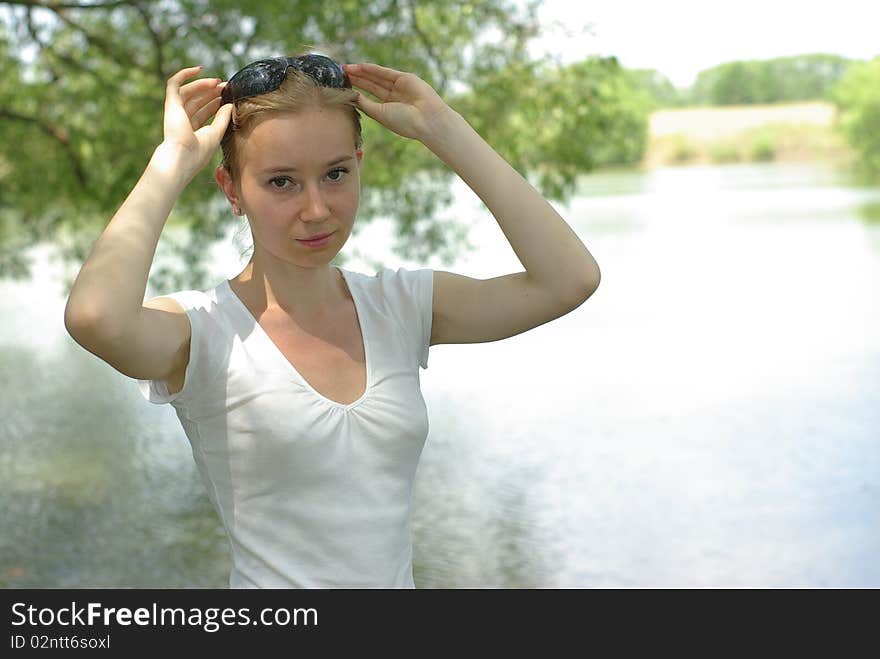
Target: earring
236,210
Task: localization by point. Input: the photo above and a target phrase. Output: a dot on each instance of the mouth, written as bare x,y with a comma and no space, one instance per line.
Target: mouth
316,240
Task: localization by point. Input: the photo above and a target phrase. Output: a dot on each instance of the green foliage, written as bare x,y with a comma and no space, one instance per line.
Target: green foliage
558,122
780,80
762,148
724,152
857,97
784,79
621,109
683,150
83,92
659,88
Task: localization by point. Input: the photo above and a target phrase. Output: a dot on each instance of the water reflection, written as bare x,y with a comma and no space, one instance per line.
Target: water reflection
93,493
481,522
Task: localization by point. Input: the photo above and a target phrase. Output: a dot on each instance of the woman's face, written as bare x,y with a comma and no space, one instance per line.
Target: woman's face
299,178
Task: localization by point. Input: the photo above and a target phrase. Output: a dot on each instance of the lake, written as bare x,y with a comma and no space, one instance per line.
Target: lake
710,417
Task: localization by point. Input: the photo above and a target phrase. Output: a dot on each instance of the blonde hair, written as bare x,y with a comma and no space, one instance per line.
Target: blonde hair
298,92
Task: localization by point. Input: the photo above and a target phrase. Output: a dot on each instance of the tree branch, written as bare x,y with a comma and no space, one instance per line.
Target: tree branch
120,56
157,41
32,30
61,11
444,78
57,133
56,6
65,59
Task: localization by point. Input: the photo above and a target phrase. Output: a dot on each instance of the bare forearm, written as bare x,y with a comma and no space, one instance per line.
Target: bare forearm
109,290
550,251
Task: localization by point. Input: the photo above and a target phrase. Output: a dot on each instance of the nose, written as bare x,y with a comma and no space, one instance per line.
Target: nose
315,208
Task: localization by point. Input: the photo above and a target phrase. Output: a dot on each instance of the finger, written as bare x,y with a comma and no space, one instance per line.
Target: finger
172,85
200,116
377,90
369,106
197,87
201,96
218,127
365,76
377,71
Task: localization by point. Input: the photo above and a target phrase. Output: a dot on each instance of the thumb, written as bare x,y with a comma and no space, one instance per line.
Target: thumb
369,106
221,121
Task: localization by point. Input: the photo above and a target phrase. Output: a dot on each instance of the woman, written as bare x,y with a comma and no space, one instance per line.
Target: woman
297,382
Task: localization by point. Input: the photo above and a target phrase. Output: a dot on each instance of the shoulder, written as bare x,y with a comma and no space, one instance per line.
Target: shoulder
393,284
165,303
195,311
405,280
181,301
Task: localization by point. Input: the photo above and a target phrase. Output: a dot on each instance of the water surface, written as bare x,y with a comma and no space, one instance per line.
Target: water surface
710,417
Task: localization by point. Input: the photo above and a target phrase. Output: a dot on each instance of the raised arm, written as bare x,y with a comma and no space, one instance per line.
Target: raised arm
560,273
105,308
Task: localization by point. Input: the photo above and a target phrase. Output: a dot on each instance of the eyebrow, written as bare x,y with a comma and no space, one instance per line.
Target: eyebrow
287,168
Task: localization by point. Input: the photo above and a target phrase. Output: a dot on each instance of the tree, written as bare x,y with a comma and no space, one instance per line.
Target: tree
84,83
658,86
783,79
857,97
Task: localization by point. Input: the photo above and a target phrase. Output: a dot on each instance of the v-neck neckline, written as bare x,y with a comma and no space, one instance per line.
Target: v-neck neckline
273,347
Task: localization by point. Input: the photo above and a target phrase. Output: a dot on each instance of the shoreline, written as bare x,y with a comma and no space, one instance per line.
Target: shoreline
789,132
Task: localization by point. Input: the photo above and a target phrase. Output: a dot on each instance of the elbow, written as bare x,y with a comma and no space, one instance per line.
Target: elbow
74,322
78,321
585,294
81,329
88,328
593,278
588,285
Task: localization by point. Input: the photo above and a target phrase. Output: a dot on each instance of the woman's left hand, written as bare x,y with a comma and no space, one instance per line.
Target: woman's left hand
408,105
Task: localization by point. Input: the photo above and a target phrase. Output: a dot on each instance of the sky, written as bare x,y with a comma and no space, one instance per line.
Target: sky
680,38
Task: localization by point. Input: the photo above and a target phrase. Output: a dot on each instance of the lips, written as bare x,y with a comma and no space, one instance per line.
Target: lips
314,238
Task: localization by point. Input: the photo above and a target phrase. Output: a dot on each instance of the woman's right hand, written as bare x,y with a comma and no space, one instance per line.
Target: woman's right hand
187,107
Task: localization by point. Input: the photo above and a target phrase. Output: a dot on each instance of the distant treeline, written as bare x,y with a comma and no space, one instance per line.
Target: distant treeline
852,86
780,80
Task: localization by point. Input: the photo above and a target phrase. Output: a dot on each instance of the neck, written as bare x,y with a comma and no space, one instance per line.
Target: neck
299,292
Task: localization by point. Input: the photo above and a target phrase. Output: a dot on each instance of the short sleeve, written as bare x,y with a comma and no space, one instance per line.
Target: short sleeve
423,290
413,299
199,371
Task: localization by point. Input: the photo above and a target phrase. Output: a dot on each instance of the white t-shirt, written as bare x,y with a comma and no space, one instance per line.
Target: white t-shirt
312,493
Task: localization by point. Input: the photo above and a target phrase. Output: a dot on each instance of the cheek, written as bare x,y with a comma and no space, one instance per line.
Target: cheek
354,197
351,195
269,217
269,204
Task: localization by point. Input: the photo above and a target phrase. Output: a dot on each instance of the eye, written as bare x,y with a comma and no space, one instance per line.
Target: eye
283,179
342,171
